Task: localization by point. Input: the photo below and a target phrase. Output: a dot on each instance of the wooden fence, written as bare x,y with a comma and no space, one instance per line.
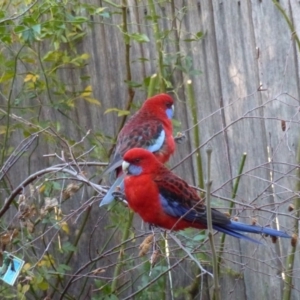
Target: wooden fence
243,60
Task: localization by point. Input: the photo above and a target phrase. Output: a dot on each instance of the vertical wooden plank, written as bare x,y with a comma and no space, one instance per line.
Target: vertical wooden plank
279,73
209,93
240,81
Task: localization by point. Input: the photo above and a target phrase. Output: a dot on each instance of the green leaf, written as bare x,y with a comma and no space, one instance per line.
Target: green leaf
29,20
28,35
133,83
199,237
63,267
153,18
43,285
119,111
140,37
80,20
84,56
37,29
105,14
112,3
146,81
6,38
143,59
68,247
56,185
19,29
100,10
92,100
176,123
53,56
7,76
198,36
3,129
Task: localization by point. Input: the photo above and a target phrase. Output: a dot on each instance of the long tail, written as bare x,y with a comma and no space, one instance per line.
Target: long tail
234,227
108,198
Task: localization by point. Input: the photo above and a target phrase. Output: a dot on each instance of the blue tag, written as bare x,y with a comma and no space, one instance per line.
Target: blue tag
11,268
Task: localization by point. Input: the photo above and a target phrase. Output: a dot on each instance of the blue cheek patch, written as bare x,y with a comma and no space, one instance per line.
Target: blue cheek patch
170,113
134,170
158,142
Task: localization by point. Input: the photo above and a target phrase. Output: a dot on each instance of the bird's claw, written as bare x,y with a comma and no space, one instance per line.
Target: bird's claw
151,227
120,197
180,138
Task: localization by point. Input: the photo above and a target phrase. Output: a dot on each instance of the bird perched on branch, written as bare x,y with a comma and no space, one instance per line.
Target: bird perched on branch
149,128
163,199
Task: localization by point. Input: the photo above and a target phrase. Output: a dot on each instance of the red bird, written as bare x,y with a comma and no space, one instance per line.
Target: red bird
150,128
163,199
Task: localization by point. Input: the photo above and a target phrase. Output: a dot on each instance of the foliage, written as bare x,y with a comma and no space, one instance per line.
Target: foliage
40,44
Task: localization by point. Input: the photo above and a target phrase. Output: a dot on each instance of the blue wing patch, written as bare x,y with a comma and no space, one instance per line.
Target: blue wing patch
158,142
175,209
171,208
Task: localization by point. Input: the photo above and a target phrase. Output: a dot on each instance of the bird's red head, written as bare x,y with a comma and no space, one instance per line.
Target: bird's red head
139,161
161,105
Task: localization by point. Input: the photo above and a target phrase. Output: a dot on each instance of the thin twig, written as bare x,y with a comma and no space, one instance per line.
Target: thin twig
120,262
167,249
210,228
159,47
36,175
128,66
18,152
178,242
234,191
288,283
193,108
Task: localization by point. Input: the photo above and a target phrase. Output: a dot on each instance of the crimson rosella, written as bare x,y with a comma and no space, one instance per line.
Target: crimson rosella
163,199
150,128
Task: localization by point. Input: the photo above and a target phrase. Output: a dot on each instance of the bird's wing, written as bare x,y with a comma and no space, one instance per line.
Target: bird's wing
180,200
150,135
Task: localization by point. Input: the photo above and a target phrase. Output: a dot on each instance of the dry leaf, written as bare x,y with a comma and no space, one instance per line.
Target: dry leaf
50,202
227,214
253,221
70,190
98,271
21,199
274,239
26,211
294,240
283,125
145,245
7,237
29,225
154,258
65,227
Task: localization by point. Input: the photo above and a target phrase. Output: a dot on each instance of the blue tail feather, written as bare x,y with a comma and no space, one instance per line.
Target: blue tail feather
108,198
235,234
233,229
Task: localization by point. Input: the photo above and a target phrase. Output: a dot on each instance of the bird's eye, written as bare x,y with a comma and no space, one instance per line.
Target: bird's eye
169,104
137,160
